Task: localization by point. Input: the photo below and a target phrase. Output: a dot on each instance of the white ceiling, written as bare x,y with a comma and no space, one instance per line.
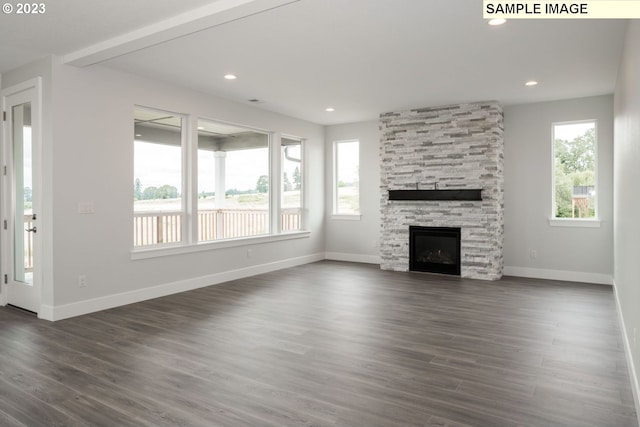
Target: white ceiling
363,57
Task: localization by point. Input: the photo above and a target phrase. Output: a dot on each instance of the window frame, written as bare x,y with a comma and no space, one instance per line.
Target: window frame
302,169
336,214
271,137
185,218
189,196
592,222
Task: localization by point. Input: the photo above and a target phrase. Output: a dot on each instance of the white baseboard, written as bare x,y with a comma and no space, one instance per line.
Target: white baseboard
110,301
47,312
569,276
341,256
633,377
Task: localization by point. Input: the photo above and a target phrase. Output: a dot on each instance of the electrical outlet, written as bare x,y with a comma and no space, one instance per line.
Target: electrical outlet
533,254
249,253
82,281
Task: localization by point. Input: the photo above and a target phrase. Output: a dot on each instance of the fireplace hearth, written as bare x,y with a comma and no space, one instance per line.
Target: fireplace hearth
434,249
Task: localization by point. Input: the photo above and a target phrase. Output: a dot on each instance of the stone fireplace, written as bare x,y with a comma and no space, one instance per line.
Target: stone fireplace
456,147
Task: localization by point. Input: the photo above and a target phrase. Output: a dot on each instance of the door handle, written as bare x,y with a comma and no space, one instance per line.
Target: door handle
31,230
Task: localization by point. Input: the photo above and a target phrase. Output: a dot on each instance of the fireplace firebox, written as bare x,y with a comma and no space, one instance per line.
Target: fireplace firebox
434,250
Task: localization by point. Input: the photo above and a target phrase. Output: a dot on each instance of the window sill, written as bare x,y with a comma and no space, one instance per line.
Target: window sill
346,217
575,222
166,250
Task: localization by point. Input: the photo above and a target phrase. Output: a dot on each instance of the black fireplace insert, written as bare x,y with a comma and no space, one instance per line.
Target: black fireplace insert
434,250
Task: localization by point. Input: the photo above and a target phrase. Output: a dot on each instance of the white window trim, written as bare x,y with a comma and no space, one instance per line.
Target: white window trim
189,243
334,209
346,217
303,179
155,251
275,141
573,222
185,146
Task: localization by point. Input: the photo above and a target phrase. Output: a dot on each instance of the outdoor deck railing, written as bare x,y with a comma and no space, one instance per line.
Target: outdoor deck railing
150,228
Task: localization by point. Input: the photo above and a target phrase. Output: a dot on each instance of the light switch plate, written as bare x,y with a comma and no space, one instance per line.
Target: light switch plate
86,208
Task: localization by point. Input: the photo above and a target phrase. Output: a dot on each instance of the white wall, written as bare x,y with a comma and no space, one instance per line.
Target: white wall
627,198
347,239
580,254
90,158
91,153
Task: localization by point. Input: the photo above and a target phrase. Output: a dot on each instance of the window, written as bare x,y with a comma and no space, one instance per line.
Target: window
291,184
346,176
575,167
233,181
158,205
213,184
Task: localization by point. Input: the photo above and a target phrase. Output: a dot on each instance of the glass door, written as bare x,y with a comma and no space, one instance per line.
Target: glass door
20,201
24,217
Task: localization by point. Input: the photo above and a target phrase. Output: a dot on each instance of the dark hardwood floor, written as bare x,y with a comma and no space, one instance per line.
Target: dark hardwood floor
327,344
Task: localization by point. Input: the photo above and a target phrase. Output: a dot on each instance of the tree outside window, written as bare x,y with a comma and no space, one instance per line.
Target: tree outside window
575,169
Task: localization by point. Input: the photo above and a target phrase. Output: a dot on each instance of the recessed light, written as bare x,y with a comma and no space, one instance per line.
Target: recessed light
329,109
200,127
230,76
138,135
497,21
531,83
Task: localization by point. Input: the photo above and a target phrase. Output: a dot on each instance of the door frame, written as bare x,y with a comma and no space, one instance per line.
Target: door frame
35,85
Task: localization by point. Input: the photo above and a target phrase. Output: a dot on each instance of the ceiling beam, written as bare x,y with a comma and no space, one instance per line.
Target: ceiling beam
212,15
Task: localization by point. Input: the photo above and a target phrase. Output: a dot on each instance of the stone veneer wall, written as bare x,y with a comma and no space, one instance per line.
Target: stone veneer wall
460,147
